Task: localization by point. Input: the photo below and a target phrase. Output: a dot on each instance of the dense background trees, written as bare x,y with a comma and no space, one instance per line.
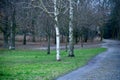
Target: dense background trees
8,22
112,27
59,21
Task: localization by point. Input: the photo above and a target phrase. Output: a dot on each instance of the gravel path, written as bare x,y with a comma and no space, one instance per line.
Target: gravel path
105,66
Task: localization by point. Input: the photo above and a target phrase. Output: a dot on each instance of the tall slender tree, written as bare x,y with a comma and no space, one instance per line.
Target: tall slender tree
56,12
13,29
71,44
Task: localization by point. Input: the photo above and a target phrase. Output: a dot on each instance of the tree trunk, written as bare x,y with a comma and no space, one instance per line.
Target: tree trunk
101,35
66,48
76,37
24,39
6,32
12,39
12,33
33,31
71,45
33,37
48,51
55,39
5,39
86,38
57,32
81,42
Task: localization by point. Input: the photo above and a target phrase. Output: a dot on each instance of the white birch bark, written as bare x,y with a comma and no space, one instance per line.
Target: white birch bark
56,12
57,32
71,45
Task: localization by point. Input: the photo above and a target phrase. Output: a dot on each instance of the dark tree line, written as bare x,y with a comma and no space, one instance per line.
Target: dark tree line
112,28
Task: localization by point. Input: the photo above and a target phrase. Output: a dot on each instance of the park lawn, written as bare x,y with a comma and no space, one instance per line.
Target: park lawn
37,65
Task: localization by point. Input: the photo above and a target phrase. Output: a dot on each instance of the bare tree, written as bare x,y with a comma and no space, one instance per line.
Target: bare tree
102,15
13,28
56,13
57,31
71,44
7,8
4,20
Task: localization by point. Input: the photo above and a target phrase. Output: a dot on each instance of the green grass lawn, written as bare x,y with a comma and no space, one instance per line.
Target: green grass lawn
37,65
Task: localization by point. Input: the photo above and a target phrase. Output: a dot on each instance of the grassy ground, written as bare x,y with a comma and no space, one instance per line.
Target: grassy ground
37,65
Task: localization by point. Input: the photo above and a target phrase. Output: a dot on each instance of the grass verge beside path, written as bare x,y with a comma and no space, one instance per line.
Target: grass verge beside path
37,65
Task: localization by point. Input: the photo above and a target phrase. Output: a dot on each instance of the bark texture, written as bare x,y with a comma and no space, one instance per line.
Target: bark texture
57,31
12,33
71,45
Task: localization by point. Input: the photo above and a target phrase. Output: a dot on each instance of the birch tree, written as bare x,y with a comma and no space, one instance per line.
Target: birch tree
57,31
56,13
71,44
53,12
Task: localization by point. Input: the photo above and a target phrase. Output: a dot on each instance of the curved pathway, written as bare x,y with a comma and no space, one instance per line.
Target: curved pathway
105,66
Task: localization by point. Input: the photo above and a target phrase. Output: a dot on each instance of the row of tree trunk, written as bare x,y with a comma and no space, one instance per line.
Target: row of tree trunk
71,45
9,36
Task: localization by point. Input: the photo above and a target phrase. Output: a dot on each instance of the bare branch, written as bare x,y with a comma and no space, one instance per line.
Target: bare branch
45,9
